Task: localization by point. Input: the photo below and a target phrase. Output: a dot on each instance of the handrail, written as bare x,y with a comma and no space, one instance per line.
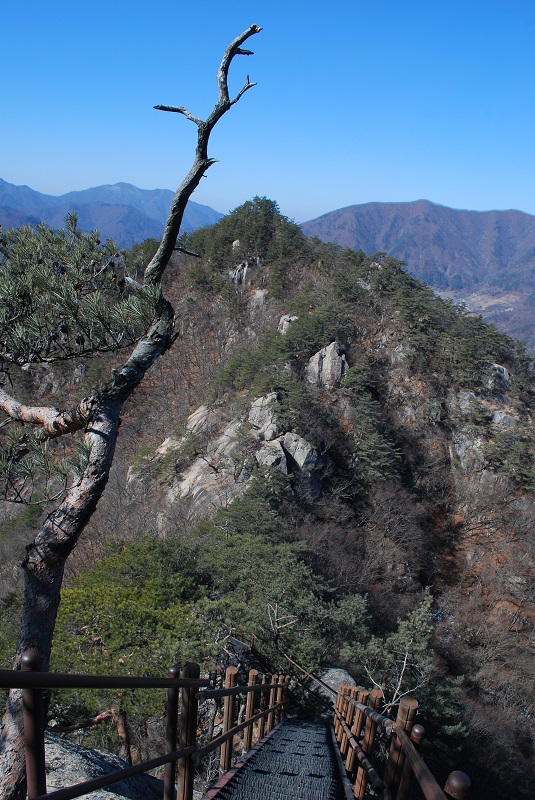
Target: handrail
207,748
422,773
403,763
384,722
210,694
19,679
372,773
79,789
32,681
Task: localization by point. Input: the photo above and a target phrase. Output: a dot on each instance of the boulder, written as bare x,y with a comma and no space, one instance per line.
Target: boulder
68,763
308,460
304,455
272,455
334,677
327,367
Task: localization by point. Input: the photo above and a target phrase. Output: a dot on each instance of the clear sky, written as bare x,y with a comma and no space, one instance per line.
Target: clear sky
357,100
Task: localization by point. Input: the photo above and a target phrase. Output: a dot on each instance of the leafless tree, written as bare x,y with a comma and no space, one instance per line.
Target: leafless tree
97,417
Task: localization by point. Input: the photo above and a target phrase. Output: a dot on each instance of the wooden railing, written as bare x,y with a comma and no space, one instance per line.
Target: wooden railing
184,692
356,721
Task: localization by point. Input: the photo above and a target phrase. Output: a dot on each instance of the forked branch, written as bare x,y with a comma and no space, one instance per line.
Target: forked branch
155,269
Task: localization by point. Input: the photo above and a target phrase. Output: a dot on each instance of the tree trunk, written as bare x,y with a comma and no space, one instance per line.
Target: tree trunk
45,560
43,569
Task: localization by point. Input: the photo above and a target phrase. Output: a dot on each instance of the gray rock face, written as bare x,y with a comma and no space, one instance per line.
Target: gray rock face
67,763
327,367
243,274
503,419
305,456
499,380
285,322
262,417
308,460
272,455
216,478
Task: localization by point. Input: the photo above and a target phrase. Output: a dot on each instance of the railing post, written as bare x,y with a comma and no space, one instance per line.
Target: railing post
279,698
374,702
458,785
228,720
188,732
263,706
349,715
34,729
417,735
272,699
249,709
286,690
337,707
351,760
171,733
396,757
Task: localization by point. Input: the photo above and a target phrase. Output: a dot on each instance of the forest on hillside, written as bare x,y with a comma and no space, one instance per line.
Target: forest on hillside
400,547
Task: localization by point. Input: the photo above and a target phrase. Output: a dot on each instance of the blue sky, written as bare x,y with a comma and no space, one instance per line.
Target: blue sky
356,101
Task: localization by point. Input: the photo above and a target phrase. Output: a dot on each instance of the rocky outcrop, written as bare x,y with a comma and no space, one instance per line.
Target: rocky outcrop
211,465
243,274
262,417
308,461
285,322
272,455
327,367
218,476
68,763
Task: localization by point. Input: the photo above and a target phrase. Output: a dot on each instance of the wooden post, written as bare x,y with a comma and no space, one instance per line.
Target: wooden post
374,702
349,713
249,710
285,694
417,735
396,757
272,699
34,729
337,707
280,698
188,732
171,737
351,760
228,719
458,785
263,706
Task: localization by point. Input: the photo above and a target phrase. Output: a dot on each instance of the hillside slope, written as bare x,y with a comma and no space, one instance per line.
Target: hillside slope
332,446
485,258
403,430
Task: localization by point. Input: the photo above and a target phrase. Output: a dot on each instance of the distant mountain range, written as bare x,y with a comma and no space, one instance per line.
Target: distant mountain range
121,211
484,258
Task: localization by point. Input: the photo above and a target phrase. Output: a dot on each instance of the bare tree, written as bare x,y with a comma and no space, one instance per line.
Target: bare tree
97,418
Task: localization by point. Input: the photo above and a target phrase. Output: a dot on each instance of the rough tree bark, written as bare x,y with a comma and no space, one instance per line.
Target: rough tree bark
98,416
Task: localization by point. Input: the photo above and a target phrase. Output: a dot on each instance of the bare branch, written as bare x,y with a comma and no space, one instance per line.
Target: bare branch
180,110
246,85
186,252
156,267
232,50
52,421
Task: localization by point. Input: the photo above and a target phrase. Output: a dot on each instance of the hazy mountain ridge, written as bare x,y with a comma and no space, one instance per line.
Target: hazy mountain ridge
120,211
460,253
